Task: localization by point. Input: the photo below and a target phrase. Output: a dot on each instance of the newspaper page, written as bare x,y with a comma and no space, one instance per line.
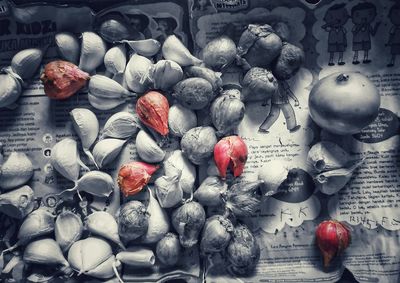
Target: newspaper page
286,222
38,123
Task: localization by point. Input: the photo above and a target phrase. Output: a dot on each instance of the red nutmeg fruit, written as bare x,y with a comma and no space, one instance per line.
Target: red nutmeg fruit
333,237
133,176
230,151
152,109
62,79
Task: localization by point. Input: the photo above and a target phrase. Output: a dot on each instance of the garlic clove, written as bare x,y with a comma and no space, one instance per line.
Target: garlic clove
68,46
173,49
68,229
146,47
102,86
137,73
112,30
11,89
103,224
211,191
92,52
105,151
65,158
166,74
121,125
102,103
26,62
152,110
62,79
168,191
96,183
181,120
104,270
147,148
168,249
115,59
214,78
15,171
86,126
47,252
38,223
17,203
272,174
133,176
326,155
230,151
330,182
178,164
332,237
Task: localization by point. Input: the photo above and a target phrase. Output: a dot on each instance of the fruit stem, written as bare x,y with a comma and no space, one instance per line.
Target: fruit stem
342,78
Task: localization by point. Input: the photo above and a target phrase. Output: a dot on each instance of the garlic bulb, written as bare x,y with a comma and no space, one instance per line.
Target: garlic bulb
86,126
65,158
15,171
219,52
68,229
147,148
226,113
132,220
26,62
216,234
181,120
92,52
169,249
198,144
211,191
121,125
243,251
105,151
188,220
68,46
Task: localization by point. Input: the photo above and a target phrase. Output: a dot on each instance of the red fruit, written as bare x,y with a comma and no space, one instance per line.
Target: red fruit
333,237
152,109
230,151
133,176
62,79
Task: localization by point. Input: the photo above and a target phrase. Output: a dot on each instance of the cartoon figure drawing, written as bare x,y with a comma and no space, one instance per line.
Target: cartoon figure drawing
140,23
166,25
202,7
280,102
335,19
394,34
362,15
